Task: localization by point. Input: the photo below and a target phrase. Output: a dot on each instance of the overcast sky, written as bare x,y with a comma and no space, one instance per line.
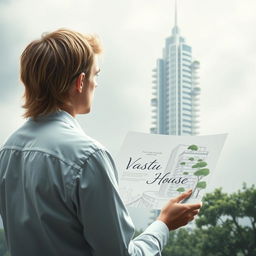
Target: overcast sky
222,34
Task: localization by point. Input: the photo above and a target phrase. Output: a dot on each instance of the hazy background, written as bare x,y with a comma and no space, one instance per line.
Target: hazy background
222,34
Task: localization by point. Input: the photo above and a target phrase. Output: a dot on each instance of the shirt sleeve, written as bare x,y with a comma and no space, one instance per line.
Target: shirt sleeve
107,226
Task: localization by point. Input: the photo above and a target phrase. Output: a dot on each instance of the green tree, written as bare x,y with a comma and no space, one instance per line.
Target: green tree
183,242
230,218
225,226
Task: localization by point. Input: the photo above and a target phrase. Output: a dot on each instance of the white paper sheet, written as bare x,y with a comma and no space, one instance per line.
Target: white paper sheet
154,168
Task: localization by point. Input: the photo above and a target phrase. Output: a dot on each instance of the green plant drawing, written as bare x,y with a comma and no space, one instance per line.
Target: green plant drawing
198,169
181,189
200,185
193,147
200,173
199,165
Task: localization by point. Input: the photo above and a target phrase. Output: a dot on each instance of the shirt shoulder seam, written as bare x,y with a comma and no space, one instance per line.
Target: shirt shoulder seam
73,165
78,175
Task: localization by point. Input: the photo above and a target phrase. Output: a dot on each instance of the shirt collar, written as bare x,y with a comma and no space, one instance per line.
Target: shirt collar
61,115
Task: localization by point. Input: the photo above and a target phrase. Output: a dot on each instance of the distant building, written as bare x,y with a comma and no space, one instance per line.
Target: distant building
176,88
175,102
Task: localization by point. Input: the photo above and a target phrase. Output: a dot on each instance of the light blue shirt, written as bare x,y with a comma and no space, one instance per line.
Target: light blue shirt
59,195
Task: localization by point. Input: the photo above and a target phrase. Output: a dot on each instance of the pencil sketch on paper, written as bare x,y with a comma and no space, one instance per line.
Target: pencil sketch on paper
185,169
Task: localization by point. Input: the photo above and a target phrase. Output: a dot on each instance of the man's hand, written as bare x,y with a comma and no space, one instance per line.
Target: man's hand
174,214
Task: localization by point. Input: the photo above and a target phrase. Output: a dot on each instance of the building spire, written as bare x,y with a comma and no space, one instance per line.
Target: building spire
175,29
176,18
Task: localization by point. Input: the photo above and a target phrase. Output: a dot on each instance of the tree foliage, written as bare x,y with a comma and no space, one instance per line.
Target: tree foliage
226,225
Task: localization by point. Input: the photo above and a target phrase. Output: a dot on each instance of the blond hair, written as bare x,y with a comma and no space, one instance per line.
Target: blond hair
48,67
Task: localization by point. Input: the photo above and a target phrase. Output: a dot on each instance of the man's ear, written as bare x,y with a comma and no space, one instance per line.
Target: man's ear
80,82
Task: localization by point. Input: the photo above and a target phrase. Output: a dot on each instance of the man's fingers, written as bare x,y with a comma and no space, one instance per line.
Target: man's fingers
182,196
191,218
194,206
195,212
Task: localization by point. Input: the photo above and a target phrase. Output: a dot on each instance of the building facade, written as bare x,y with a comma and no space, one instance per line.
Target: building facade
176,91
175,102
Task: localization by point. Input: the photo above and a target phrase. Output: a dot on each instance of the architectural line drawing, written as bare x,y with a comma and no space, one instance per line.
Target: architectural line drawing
186,161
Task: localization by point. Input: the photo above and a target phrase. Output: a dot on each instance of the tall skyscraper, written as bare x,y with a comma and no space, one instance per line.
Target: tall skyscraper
175,102
176,88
